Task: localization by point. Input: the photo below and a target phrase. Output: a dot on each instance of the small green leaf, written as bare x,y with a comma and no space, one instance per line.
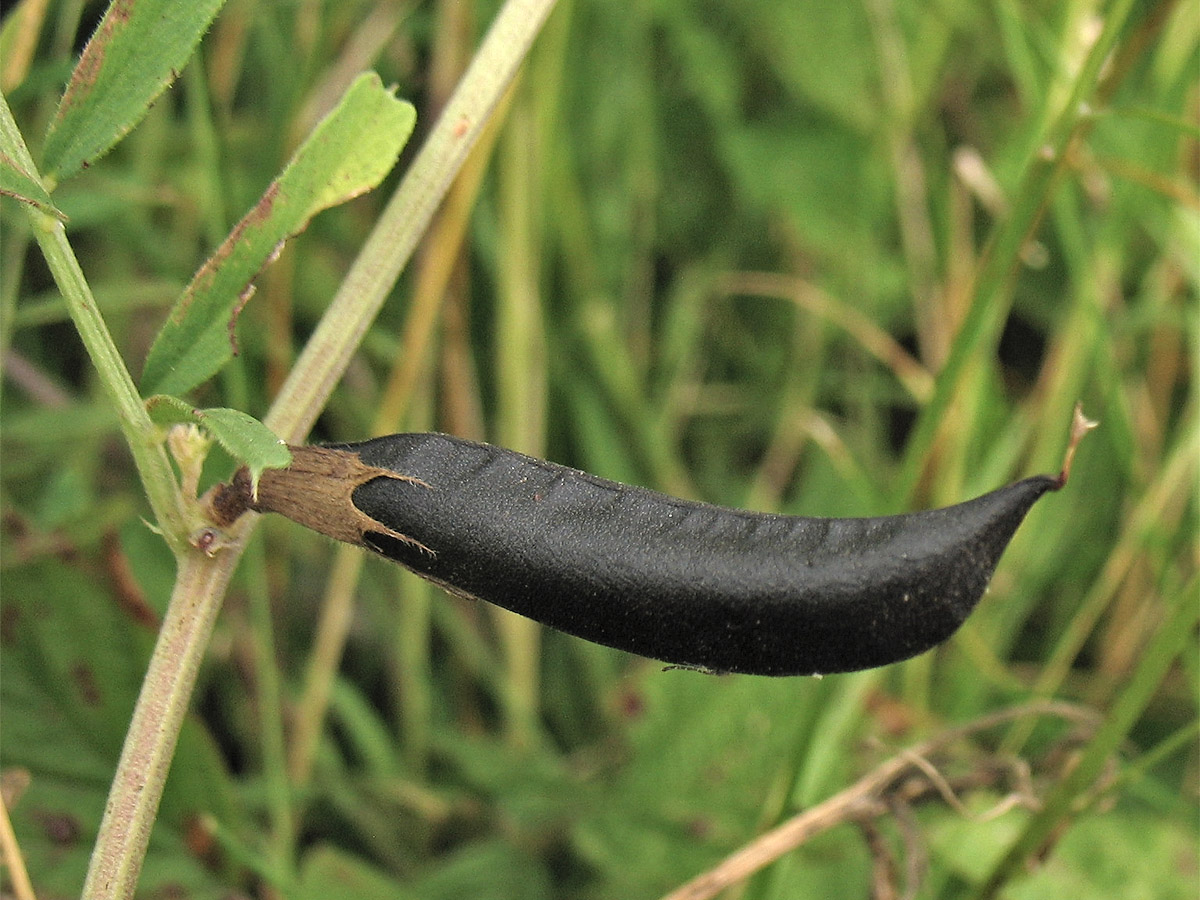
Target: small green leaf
245,438
347,154
167,411
137,50
16,182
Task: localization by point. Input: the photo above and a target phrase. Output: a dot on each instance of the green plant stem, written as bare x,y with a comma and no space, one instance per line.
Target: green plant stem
405,219
412,677
145,444
154,730
337,612
201,582
12,252
520,384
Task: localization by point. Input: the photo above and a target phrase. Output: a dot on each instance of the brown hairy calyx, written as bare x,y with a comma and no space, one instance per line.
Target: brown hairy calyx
315,491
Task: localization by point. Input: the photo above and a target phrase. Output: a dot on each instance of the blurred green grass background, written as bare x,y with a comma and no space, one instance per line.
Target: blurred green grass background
720,249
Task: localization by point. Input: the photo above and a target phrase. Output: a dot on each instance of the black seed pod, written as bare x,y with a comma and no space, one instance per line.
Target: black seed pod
688,583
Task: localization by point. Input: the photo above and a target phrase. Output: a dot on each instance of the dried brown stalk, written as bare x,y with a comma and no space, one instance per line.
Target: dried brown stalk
903,778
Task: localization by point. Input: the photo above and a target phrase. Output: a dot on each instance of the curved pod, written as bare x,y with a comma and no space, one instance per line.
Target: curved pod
688,583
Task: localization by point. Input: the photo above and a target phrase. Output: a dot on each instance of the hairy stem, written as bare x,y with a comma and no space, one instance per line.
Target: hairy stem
201,582
143,438
157,718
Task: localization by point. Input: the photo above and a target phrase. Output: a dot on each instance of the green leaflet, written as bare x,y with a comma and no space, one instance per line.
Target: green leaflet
138,49
245,438
347,154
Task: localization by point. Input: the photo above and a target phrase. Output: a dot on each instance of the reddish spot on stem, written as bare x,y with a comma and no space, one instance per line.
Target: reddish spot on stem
206,540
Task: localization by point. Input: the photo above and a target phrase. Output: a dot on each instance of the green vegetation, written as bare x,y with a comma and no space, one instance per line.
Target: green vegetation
810,257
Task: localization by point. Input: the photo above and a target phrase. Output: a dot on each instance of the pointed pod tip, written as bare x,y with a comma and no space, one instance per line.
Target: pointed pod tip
1080,425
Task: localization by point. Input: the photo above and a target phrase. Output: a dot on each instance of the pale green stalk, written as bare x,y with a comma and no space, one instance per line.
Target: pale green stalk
201,582
143,438
154,730
521,386
269,695
443,243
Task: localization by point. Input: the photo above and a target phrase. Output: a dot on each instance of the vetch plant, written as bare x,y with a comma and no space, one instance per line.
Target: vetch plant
730,257
349,152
